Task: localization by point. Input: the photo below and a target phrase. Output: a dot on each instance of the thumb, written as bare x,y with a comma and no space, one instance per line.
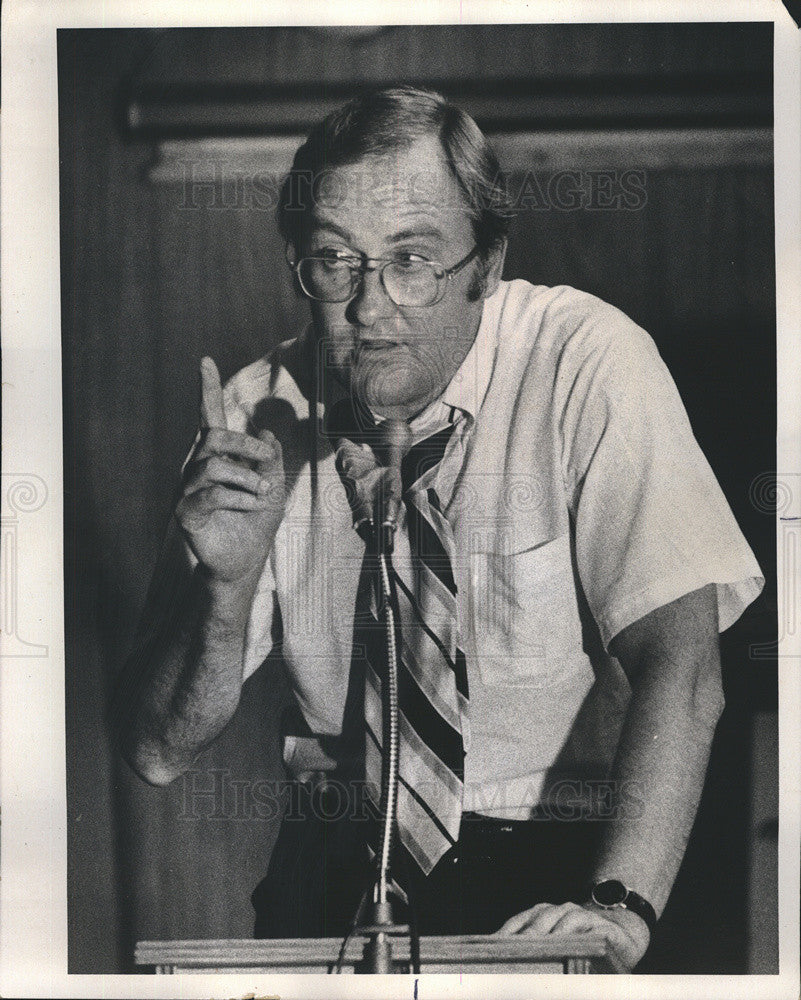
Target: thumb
352,460
271,469
272,462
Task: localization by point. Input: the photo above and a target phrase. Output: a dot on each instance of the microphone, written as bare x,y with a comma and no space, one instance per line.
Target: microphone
396,439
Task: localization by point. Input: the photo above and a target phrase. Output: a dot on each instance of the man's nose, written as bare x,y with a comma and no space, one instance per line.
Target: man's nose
371,301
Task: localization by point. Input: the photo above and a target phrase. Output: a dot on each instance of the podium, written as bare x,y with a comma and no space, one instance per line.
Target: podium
577,953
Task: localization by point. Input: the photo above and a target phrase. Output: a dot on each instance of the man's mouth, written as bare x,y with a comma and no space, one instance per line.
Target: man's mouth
376,346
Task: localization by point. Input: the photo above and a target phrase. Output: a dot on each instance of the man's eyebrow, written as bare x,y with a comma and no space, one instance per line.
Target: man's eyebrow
330,227
416,233
410,233
320,225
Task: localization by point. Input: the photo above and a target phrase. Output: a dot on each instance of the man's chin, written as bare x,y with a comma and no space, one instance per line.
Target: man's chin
385,385
391,400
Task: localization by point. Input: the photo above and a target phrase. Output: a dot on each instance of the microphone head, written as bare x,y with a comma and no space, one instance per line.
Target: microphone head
396,437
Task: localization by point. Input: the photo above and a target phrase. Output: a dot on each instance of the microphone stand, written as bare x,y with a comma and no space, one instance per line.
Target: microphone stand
379,534
381,926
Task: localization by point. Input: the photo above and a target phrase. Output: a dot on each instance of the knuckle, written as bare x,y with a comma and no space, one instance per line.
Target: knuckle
212,438
187,497
273,492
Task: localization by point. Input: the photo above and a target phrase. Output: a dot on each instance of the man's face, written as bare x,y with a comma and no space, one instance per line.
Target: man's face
400,205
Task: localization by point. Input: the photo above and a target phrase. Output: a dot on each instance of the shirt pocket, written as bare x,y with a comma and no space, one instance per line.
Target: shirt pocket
524,615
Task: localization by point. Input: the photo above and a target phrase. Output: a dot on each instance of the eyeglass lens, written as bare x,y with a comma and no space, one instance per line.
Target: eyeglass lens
407,283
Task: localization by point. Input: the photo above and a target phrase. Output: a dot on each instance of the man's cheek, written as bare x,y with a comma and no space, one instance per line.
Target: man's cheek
445,352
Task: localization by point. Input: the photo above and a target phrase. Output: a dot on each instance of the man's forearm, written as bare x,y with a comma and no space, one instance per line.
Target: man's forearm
661,763
671,658
663,754
182,683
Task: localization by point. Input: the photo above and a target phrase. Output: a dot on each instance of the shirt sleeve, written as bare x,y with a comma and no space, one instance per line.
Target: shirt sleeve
651,521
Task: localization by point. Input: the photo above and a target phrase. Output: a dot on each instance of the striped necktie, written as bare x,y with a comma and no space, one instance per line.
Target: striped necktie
432,671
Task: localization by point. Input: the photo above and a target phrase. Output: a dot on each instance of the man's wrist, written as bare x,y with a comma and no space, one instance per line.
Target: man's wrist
611,896
234,591
225,605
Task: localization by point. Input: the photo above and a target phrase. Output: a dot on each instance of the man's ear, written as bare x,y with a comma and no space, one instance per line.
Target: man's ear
493,270
291,254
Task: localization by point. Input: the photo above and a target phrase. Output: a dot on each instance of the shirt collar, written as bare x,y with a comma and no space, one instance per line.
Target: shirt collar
468,387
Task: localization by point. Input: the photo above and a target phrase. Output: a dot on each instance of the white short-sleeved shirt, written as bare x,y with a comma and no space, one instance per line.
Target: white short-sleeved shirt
579,500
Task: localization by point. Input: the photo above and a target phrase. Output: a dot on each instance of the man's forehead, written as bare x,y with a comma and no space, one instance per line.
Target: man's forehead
407,224
418,173
420,198
376,183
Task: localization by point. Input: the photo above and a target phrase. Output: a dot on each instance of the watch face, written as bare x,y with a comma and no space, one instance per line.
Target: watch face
609,893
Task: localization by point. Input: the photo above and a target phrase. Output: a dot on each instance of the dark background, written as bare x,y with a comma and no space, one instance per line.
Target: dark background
150,285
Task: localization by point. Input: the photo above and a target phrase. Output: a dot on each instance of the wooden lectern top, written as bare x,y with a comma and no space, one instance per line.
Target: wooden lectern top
577,953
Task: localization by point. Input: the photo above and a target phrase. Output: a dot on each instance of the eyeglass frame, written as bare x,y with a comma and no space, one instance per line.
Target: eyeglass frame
357,275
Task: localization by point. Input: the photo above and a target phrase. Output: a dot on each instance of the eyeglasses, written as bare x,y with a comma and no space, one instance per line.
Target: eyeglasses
337,277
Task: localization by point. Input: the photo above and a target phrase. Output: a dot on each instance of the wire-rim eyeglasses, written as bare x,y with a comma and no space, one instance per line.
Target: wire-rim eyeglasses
338,276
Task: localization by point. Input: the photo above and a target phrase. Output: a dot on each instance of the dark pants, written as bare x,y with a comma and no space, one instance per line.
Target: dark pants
318,872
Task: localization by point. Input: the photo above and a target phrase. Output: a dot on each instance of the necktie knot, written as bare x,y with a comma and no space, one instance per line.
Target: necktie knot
423,457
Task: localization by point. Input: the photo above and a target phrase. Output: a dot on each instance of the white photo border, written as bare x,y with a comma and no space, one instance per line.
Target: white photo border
33,902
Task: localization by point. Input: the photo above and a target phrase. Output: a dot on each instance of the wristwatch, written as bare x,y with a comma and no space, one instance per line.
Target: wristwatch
611,894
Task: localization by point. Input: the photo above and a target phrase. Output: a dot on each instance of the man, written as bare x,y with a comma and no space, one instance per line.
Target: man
584,544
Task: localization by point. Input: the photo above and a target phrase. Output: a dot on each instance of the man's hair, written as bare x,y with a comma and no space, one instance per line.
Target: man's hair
382,121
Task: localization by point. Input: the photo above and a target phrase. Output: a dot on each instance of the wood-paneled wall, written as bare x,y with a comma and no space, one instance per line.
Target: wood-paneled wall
149,286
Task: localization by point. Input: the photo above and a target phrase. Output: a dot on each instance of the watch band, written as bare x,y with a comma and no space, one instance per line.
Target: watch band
611,894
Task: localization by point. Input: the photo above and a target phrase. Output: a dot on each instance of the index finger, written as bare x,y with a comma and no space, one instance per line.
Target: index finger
212,411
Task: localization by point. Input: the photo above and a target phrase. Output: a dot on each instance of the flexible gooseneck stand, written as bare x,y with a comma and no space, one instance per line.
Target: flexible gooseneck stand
380,926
